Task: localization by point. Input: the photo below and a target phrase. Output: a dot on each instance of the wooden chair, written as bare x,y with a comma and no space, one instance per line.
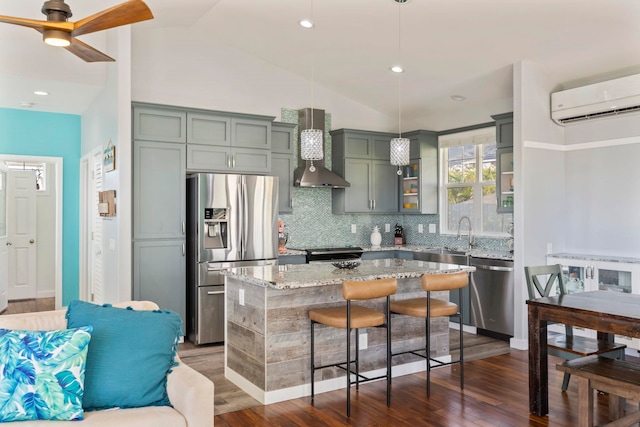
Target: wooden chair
353,316
567,346
429,308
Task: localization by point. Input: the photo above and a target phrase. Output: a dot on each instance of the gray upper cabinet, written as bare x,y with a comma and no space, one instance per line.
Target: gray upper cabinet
362,158
210,129
228,142
504,130
158,190
159,124
282,162
251,133
419,188
504,162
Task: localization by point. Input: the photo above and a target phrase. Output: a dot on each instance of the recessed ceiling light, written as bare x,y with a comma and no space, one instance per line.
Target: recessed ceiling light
40,92
458,97
306,23
27,104
397,69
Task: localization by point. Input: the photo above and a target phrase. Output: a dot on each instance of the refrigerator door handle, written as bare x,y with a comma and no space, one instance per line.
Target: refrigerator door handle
215,292
245,217
240,217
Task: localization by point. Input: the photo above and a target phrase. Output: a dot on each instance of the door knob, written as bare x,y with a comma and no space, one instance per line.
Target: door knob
9,243
31,241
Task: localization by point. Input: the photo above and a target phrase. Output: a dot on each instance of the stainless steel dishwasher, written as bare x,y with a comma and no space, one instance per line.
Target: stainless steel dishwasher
492,295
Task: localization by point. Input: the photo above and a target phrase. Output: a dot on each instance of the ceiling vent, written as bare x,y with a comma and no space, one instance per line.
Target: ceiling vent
605,99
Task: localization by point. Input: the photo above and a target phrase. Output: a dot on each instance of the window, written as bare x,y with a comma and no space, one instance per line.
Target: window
40,169
468,183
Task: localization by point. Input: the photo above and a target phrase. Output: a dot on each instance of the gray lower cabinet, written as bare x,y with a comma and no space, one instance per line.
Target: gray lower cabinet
292,259
159,274
159,194
381,255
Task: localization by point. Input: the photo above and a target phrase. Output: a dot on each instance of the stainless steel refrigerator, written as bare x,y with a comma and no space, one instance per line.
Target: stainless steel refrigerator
231,222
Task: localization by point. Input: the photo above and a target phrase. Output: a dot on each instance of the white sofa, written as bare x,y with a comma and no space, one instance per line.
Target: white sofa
190,392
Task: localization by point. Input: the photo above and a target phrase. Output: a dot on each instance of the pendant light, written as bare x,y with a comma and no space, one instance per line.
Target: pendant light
311,147
400,147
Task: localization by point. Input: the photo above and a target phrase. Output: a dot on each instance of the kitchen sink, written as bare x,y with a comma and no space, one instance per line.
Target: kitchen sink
444,255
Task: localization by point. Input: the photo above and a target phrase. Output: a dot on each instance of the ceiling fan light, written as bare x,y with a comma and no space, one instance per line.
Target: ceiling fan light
57,38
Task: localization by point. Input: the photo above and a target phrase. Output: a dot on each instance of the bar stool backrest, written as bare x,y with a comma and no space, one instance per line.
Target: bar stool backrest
444,282
368,289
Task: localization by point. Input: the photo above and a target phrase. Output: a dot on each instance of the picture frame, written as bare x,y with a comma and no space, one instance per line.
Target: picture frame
109,158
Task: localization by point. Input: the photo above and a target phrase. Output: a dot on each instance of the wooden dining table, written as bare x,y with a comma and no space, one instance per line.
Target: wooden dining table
609,313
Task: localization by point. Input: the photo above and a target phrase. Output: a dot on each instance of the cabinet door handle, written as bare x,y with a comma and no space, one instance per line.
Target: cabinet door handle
291,202
183,249
233,161
229,162
184,228
374,204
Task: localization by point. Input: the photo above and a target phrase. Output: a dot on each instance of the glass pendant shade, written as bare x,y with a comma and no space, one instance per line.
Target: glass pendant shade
399,155
399,151
311,147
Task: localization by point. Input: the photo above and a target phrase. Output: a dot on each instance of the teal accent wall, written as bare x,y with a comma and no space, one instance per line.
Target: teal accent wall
35,133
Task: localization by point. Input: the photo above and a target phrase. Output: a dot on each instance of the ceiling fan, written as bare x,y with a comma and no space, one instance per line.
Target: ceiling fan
57,31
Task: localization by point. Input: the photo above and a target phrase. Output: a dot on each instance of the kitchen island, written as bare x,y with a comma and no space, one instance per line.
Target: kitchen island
267,332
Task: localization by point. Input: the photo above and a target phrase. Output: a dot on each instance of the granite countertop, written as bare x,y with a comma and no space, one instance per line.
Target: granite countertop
322,274
601,258
474,252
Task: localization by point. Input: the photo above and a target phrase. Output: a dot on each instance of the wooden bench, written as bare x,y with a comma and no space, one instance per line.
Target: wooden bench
619,378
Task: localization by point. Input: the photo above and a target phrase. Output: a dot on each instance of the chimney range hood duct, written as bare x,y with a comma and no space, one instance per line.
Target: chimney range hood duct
322,177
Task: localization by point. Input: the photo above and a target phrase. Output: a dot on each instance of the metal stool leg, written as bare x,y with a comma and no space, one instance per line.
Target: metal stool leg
428,343
313,366
461,343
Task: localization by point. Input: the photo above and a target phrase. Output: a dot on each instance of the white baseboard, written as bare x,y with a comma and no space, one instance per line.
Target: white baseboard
46,294
304,390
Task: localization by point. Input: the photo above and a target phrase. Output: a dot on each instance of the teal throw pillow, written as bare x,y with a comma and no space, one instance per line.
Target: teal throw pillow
42,374
130,355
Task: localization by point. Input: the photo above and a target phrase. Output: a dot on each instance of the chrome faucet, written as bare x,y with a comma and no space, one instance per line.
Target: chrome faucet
470,235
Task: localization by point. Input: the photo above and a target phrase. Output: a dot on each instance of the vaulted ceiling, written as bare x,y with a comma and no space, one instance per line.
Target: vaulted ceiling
448,47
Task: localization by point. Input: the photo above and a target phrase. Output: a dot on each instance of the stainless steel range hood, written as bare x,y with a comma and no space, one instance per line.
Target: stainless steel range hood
322,177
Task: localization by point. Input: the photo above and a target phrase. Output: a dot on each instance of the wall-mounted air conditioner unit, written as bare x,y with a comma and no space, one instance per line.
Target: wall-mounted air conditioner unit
603,99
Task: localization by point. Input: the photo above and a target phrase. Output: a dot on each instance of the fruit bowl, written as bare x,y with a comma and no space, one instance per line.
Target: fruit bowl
346,264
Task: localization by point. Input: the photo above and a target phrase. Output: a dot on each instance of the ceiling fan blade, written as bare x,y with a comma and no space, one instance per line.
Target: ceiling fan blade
87,53
38,25
125,13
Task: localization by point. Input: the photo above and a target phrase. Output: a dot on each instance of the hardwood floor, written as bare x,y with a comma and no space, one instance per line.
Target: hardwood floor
495,394
30,305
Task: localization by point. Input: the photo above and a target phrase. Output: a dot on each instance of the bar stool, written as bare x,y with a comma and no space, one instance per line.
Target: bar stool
353,316
429,308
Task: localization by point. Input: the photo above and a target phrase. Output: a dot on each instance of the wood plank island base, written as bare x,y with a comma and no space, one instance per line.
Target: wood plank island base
267,333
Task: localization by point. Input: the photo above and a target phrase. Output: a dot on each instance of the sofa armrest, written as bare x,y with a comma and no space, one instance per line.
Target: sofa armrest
191,393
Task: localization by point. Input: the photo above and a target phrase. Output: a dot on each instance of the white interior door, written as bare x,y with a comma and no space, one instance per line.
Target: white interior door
95,272
4,249
21,234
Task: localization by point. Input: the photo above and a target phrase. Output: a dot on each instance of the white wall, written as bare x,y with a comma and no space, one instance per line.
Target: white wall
601,172
109,119
188,68
539,181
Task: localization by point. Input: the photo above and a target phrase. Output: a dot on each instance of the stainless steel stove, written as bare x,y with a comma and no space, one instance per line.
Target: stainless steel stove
333,254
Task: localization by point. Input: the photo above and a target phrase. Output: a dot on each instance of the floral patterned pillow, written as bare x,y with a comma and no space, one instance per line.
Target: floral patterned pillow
42,374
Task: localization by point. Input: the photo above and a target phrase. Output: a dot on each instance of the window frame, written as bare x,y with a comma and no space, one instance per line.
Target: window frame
480,137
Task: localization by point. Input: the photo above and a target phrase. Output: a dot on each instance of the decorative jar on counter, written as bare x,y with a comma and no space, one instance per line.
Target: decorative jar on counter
376,237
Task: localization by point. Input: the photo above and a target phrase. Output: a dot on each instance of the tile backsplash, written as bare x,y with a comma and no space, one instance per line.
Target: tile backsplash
312,224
